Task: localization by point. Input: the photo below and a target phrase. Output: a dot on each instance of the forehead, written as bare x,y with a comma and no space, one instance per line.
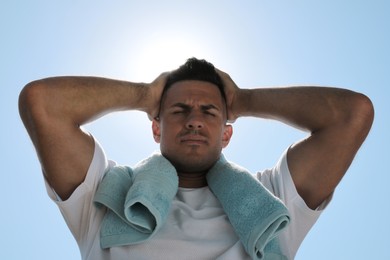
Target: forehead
189,91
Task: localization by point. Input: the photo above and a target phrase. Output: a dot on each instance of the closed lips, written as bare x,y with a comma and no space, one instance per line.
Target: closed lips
192,138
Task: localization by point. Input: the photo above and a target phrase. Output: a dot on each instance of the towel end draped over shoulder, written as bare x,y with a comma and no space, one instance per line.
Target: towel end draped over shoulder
138,202
256,215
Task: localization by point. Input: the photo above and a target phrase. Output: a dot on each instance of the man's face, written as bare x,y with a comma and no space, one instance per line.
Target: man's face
191,128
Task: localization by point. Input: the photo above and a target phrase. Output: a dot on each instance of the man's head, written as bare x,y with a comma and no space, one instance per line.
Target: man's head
195,69
191,127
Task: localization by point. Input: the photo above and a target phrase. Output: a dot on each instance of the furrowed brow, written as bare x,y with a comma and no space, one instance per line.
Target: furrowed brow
188,107
209,107
181,105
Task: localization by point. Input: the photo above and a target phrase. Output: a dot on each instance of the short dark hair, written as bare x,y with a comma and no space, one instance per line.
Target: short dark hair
195,69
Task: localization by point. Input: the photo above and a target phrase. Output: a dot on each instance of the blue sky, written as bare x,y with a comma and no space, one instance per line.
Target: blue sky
259,43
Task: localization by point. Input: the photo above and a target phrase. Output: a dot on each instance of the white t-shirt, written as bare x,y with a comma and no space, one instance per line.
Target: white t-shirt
196,228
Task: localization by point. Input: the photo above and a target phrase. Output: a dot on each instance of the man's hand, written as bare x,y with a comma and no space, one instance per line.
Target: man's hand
155,90
234,96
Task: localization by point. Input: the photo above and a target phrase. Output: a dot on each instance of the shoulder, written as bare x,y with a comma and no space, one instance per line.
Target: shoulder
99,165
278,180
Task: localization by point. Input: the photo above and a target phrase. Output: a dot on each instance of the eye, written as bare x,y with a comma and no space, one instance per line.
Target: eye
209,113
176,112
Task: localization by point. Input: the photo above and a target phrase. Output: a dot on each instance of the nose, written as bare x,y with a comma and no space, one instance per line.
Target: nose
194,121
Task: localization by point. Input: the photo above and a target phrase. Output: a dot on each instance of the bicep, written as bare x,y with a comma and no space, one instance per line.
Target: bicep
64,150
318,163
65,153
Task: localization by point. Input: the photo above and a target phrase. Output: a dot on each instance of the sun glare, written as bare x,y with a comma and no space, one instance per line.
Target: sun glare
166,54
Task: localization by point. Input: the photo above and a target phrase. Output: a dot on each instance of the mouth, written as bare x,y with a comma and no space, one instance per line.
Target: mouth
192,139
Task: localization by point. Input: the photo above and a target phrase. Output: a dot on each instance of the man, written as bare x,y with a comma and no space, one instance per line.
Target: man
189,109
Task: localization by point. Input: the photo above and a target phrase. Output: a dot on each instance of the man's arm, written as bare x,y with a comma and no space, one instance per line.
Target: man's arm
53,110
338,121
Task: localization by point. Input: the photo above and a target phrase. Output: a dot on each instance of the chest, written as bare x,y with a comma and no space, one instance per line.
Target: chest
196,228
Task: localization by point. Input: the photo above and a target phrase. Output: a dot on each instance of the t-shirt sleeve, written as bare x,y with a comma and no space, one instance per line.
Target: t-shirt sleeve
279,181
78,210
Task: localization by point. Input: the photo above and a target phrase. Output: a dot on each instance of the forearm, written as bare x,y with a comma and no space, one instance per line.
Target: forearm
307,108
78,100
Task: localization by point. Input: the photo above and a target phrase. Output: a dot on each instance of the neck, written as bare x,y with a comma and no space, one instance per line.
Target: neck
192,180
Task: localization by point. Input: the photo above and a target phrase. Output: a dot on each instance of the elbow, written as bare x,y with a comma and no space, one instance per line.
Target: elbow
31,102
364,109
361,114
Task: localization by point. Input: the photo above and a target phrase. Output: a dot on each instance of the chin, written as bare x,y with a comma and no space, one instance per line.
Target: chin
191,164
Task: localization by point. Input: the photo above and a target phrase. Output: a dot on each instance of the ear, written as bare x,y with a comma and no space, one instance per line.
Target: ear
156,130
227,134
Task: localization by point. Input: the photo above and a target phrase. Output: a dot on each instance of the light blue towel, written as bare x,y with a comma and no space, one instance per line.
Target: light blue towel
138,201
256,215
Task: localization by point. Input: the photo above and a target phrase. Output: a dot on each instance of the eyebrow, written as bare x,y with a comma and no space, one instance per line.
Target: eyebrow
181,105
208,107
203,107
